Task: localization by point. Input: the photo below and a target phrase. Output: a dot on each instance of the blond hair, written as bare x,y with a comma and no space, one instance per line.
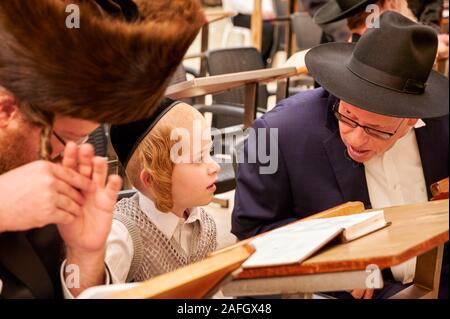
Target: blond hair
154,155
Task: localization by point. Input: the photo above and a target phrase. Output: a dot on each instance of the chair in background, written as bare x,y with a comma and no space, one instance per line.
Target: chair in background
99,139
282,25
230,104
307,34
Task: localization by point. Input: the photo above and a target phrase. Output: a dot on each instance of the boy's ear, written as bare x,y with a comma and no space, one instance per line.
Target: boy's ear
8,108
145,178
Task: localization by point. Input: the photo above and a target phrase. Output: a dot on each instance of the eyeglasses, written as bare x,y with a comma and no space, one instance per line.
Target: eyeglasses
80,141
382,135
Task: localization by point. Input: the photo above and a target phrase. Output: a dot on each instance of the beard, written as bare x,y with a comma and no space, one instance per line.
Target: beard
18,148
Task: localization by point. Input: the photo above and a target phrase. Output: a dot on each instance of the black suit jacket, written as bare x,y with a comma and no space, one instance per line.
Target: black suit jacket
30,263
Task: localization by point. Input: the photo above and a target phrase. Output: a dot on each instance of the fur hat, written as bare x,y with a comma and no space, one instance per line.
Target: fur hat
107,70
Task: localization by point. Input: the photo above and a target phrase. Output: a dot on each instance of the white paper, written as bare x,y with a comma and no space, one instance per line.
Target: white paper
296,242
286,248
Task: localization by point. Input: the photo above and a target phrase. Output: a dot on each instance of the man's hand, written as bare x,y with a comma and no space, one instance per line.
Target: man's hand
86,236
443,39
39,194
89,230
442,53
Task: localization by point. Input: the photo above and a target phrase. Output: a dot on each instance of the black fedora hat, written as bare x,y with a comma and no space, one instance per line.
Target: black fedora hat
335,10
389,71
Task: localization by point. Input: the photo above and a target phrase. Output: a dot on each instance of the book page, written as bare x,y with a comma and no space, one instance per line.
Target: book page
281,248
324,223
296,242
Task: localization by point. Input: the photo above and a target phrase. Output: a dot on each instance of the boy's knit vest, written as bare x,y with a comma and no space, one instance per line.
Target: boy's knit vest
154,253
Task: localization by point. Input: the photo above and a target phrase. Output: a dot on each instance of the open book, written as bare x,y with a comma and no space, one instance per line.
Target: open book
289,244
296,242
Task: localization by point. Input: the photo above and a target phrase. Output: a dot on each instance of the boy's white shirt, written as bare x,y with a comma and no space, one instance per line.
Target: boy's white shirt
120,250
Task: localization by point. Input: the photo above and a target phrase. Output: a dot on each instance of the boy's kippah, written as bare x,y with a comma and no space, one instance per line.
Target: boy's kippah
126,138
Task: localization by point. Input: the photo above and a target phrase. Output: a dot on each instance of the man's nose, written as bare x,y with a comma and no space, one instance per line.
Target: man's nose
357,137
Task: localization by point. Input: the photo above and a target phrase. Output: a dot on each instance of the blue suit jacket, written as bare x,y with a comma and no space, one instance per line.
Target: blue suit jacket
314,170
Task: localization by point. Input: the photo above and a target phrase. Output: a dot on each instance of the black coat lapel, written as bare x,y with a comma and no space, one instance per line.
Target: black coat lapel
432,141
350,175
19,258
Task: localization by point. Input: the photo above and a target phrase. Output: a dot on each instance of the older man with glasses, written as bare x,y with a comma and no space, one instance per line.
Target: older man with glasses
376,132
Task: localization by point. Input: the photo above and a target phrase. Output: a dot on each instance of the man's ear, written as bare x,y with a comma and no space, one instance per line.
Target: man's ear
145,178
8,108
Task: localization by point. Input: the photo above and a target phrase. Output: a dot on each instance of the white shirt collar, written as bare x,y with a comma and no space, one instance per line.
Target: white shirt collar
419,124
166,222
405,140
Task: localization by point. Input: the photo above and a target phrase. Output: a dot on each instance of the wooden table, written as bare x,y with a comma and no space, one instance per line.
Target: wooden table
219,83
417,230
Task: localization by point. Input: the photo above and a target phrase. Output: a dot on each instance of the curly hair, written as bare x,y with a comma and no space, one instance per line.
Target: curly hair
153,155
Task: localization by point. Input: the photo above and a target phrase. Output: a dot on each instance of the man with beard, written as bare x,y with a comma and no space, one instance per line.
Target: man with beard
56,85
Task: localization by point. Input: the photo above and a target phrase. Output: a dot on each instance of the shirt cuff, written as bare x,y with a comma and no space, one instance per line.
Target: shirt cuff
66,292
